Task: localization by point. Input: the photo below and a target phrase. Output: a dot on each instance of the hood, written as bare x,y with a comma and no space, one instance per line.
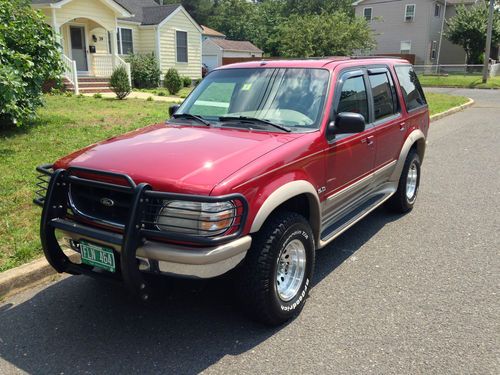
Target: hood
187,159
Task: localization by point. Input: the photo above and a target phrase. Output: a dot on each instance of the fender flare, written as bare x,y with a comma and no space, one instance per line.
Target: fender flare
283,194
415,137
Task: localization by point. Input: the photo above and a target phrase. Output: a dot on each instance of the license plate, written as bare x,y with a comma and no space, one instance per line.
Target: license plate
97,256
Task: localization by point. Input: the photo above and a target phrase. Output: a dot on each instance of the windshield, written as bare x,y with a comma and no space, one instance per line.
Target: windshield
292,98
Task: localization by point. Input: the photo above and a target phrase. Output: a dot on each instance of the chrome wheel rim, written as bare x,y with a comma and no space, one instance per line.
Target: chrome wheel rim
411,182
291,270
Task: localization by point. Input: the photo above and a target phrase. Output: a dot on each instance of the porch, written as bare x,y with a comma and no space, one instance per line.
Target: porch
89,50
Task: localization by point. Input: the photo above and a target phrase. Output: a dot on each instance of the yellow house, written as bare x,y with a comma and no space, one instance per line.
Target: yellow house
96,35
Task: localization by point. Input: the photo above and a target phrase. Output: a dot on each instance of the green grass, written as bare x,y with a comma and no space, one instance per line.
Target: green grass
462,81
441,102
64,125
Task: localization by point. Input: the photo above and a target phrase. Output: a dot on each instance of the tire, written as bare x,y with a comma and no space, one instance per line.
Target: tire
404,199
285,235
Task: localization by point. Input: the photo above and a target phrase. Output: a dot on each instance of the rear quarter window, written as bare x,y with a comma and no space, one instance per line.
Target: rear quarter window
413,94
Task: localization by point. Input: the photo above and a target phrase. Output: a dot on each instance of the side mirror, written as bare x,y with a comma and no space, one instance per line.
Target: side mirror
346,123
173,109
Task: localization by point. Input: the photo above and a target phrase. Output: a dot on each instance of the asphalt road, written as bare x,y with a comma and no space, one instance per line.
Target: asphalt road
396,294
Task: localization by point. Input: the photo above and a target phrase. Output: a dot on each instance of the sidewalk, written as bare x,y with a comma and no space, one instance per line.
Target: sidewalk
142,95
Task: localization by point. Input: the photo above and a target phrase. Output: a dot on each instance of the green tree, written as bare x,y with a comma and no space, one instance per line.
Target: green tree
29,57
324,35
235,19
318,6
468,29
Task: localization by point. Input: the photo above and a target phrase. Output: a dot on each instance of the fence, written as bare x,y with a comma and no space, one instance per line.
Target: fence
456,69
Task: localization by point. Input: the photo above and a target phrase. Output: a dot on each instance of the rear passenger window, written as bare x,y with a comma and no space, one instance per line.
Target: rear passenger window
383,95
412,91
353,97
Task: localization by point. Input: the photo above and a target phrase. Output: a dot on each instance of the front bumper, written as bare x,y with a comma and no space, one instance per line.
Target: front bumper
136,247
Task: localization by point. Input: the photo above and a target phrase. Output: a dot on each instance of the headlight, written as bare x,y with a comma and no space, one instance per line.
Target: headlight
196,218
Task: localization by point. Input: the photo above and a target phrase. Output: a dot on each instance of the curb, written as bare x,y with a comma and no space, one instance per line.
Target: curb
27,275
453,110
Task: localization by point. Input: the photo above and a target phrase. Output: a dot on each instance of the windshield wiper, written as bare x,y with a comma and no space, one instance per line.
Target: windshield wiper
189,116
254,120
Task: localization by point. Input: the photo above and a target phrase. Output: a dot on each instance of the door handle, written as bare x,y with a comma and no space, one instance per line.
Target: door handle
368,140
402,126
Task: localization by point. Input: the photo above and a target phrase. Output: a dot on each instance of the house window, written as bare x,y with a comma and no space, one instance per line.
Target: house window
367,13
433,49
125,41
409,12
405,47
181,45
437,10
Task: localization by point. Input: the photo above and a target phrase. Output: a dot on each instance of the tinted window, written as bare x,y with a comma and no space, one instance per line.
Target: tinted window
383,95
353,97
412,91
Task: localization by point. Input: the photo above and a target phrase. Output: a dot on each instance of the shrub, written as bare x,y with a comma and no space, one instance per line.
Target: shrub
97,95
173,81
119,82
150,99
197,82
28,58
145,71
186,81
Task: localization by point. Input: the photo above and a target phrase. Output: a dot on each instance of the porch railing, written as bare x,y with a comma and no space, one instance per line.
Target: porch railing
70,72
103,65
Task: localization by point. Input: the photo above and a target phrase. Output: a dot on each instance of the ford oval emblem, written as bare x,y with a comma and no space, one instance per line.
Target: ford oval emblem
107,202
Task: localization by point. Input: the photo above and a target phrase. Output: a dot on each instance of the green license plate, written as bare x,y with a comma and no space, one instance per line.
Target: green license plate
97,256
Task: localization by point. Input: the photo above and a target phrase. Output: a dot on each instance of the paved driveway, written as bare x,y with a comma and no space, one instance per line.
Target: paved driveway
396,294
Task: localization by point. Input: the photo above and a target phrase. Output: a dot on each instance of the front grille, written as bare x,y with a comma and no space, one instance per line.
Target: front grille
101,204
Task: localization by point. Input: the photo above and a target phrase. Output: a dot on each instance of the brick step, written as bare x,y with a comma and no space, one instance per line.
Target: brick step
92,79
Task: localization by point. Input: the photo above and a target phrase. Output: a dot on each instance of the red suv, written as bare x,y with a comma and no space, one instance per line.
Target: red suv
263,164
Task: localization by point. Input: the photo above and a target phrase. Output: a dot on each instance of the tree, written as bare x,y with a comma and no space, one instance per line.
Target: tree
29,57
235,19
324,34
468,29
318,6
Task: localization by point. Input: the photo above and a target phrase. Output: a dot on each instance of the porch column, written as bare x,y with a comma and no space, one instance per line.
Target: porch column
114,47
56,29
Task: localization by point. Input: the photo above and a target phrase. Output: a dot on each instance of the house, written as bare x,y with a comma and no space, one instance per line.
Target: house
211,33
96,36
217,50
413,27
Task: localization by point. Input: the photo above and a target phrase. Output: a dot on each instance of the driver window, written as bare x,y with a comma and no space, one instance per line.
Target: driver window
353,97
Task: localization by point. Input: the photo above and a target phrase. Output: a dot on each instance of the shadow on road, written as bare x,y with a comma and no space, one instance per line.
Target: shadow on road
81,325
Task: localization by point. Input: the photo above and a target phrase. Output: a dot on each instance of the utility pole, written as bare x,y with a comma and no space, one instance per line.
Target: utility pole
488,41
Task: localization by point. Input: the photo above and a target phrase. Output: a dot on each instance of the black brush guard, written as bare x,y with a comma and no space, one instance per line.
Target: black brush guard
54,200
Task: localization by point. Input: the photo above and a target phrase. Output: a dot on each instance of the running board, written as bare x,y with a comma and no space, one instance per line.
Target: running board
338,227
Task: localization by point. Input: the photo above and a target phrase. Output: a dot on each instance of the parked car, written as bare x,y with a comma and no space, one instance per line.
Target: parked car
261,166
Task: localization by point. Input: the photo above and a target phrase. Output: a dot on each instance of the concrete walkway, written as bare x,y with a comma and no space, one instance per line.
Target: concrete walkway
142,95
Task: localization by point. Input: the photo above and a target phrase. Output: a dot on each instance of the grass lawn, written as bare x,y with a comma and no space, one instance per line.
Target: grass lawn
465,81
441,102
64,125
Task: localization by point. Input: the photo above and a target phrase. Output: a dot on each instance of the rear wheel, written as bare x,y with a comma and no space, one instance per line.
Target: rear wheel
275,278
403,200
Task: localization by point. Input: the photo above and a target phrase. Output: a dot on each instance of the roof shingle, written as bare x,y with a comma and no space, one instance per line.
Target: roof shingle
236,45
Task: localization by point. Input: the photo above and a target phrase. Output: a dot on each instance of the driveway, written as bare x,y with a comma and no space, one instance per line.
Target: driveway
396,294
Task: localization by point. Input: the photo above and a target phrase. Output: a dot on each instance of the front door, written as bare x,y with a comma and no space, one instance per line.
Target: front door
350,157
79,48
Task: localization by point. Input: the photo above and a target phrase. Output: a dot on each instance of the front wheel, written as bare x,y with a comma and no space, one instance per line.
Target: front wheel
275,278
404,198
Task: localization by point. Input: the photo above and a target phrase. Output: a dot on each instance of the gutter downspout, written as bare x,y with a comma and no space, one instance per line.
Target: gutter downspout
441,37
157,47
